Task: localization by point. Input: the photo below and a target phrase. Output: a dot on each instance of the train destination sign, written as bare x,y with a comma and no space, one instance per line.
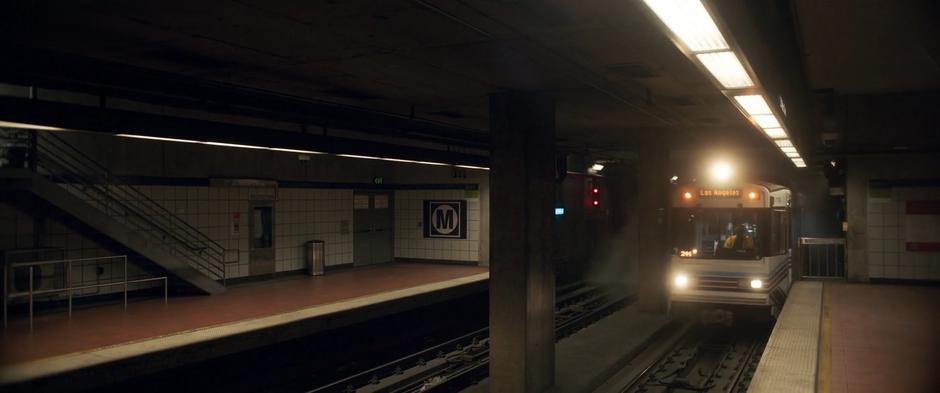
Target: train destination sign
719,193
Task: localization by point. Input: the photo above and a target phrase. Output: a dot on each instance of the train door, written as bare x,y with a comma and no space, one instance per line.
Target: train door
261,238
372,228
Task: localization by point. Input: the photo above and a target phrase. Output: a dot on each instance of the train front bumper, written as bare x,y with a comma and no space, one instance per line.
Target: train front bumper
720,297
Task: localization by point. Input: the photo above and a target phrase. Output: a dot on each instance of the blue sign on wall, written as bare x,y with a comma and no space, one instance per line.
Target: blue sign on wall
445,219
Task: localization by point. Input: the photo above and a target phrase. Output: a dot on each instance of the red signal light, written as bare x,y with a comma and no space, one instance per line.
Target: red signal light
596,190
597,203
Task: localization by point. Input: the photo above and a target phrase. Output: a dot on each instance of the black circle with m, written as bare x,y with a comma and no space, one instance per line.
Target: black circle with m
445,219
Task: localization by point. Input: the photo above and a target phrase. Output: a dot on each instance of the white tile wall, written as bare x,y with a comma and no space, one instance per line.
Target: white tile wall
887,253
304,214
409,236
300,215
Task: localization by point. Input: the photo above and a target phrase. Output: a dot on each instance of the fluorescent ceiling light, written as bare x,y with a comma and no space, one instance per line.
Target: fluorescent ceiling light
361,157
412,161
157,138
788,149
597,167
690,23
793,155
775,133
223,144
281,149
29,126
766,121
408,161
482,168
784,143
726,68
799,163
753,104
297,151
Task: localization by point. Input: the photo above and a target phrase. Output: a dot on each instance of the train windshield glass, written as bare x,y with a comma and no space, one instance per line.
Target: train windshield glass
718,233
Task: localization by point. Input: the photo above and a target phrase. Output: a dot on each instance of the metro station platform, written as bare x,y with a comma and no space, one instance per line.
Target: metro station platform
107,343
839,337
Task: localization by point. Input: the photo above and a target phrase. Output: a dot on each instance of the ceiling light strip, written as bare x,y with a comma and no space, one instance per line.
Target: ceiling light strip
697,34
280,149
690,22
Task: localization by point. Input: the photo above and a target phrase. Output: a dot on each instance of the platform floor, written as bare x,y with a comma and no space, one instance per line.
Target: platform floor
871,338
884,338
108,326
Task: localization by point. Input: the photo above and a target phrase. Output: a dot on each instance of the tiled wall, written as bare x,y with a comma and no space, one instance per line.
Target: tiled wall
305,214
409,235
887,254
299,215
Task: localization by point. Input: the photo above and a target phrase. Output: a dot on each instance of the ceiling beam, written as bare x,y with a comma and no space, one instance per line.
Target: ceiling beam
32,67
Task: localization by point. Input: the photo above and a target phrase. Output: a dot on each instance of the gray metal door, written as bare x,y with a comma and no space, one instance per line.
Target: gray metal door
372,228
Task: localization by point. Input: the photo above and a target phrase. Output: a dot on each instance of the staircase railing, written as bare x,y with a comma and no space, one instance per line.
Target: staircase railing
95,184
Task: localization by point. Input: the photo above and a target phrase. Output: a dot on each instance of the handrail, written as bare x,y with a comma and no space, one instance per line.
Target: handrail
79,174
110,178
137,195
31,292
822,257
128,209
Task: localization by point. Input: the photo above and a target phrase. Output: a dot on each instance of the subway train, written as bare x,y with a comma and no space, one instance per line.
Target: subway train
731,246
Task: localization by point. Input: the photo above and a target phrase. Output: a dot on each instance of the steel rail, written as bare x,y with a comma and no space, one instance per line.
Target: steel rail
442,370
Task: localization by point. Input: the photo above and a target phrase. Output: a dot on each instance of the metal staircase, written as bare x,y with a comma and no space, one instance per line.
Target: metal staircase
68,179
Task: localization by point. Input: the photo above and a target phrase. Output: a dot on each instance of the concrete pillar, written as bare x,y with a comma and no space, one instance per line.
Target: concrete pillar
652,205
522,280
856,198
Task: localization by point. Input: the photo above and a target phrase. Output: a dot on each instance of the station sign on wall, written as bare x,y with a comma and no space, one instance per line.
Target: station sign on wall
445,219
922,225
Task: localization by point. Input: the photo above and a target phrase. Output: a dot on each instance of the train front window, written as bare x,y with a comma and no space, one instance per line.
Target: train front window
718,233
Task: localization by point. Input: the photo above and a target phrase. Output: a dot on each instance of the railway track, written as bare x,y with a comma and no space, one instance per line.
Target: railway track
464,360
705,359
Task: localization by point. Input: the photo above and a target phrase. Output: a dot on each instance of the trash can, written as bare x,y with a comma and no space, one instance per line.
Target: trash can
316,259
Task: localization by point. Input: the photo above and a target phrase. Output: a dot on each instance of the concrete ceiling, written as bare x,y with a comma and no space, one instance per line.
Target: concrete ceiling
871,46
616,77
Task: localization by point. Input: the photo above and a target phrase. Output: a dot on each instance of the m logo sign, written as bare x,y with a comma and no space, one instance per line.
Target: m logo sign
445,219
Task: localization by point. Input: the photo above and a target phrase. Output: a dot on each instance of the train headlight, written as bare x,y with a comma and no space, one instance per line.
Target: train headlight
757,284
721,171
681,281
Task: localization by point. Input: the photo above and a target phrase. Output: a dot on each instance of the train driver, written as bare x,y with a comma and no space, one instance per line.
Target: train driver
739,240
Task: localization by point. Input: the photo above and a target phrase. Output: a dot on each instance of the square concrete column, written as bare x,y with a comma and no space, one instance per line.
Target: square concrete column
653,238
522,279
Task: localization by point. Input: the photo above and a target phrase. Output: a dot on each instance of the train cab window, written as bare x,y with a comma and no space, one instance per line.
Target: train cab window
718,233
779,232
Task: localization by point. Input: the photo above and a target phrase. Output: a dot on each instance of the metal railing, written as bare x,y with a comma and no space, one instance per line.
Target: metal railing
822,257
32,292
96,185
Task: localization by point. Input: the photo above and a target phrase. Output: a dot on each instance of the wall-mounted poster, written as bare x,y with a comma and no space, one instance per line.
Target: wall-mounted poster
445,219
